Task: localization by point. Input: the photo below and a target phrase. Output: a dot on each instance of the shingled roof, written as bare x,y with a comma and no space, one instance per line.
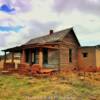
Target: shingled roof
50,38
56,36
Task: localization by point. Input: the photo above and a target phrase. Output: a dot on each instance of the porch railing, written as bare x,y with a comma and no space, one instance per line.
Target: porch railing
9,66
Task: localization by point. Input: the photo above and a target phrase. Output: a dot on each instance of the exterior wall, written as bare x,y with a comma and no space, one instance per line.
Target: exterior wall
69,42
88,61
64,57
53,58
98,57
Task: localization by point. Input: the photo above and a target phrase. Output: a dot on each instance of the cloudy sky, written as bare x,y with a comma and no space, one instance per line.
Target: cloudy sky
21,20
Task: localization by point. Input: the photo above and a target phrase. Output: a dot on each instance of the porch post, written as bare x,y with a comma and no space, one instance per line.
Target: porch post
12,60
23,57
40,57
30,56
5,58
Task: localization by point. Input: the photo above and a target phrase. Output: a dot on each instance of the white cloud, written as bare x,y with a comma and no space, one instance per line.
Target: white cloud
85,25
94,1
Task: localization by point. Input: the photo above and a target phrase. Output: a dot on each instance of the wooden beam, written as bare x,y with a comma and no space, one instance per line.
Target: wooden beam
23,57
30,56
5,58
40,57
12,59
59,58
39,44
49,47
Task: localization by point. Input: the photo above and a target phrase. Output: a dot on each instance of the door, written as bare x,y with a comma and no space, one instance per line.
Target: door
45,56
36,56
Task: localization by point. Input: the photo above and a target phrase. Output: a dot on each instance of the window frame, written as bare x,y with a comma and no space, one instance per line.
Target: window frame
70,55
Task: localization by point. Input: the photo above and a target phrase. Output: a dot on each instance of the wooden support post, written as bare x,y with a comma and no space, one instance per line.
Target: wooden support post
40,57
5,58
12,59
23,57
59,58
31,56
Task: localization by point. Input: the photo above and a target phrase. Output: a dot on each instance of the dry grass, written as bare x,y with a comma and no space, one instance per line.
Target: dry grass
63,86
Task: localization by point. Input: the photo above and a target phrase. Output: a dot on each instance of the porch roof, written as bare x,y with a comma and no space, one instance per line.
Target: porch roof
15,49
19,48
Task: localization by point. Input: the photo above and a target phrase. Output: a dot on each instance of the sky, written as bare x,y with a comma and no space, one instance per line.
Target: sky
22,20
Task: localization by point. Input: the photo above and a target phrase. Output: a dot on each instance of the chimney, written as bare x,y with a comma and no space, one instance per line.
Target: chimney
51,32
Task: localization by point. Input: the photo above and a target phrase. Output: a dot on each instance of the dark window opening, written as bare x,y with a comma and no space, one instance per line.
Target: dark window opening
36,55
45,56
85,54
70,55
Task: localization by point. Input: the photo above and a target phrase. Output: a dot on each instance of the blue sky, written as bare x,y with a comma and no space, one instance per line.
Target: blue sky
21,20
6,8
10,28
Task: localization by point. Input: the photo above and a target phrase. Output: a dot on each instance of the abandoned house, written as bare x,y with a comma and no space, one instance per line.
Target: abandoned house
57,50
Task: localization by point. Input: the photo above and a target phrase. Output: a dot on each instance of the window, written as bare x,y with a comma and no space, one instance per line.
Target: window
85,54
70,55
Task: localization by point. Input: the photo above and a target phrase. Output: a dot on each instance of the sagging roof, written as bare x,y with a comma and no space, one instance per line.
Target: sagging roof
56,36
50,38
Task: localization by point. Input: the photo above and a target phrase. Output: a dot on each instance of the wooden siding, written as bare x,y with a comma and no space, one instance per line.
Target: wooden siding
88,61
98,57
69,42
53,58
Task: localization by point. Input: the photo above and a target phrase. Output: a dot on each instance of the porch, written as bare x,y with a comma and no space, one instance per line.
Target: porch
33,58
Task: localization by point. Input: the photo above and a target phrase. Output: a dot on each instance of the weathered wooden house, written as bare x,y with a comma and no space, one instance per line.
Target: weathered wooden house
58,50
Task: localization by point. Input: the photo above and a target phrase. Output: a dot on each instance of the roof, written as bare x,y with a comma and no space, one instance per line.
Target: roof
56,36
96,46
50,38
17,48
